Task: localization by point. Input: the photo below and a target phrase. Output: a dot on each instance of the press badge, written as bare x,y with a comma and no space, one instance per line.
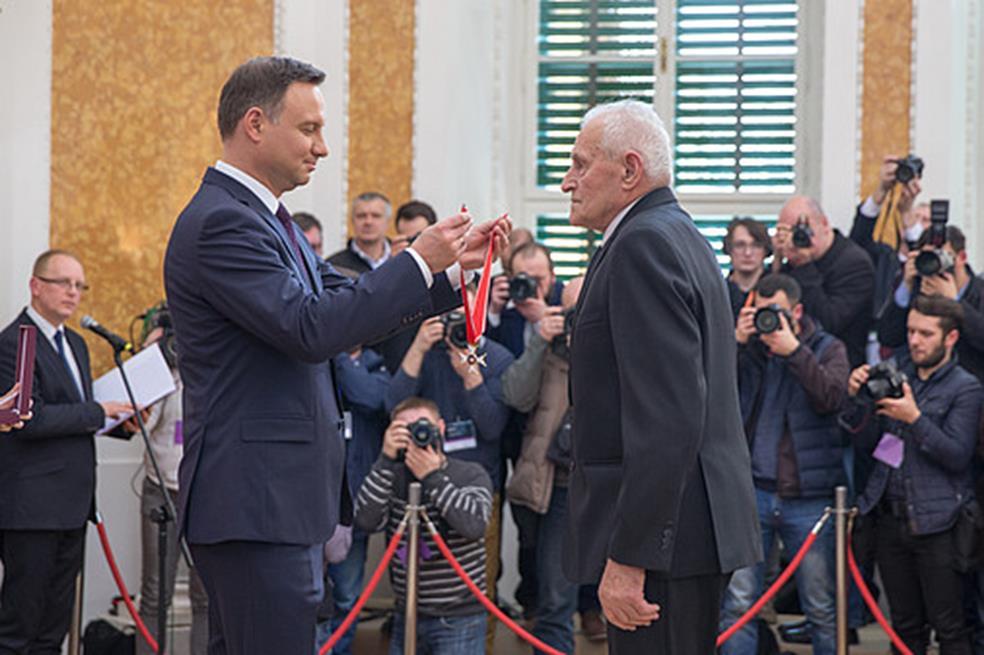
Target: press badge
890,450
460,435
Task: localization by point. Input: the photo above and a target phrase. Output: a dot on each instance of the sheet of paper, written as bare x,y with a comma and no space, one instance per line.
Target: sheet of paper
149,376
890,449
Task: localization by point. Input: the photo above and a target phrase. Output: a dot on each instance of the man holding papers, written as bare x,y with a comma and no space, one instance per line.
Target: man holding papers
47,468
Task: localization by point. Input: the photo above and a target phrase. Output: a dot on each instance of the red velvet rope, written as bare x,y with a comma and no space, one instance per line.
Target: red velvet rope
870,601
489,605
111,560
377,575
777,585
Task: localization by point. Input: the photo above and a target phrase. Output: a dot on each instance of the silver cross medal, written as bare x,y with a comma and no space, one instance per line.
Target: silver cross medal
472,357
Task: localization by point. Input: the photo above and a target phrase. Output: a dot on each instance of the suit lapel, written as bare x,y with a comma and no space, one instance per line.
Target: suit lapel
248,198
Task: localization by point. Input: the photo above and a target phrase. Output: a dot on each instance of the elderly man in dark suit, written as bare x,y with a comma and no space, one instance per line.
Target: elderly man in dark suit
258,318
661,498
48,467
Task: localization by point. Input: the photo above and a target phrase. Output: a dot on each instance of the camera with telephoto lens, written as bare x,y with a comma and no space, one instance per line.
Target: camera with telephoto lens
423,433
522,287
909,167
159,316
767,318
884,381
560,345
802,233
455,330
937,260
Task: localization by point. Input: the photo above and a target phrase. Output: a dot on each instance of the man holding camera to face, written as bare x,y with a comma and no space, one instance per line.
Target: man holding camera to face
457,496
938,266
835,274
921,423
791,380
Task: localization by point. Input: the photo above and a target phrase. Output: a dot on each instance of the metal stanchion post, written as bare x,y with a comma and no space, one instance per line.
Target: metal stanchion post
840,512
413,548
75,627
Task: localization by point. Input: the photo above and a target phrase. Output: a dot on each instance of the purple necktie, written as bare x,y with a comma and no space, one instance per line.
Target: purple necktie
288,224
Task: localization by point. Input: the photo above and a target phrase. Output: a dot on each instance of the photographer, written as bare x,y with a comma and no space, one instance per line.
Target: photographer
956,282
457,496
363,380
517,305
537,383
835,274
887,239
792,377
747,243
164,427
470,397
923,430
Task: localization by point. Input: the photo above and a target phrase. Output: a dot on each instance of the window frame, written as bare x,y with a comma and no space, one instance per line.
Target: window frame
535,200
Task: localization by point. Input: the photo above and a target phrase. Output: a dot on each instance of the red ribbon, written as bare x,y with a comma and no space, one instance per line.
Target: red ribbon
475,316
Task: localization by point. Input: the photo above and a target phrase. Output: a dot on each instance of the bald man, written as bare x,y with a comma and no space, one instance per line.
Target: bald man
836,274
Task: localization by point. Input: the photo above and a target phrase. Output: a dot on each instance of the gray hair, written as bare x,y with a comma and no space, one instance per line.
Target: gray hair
634,125
369,196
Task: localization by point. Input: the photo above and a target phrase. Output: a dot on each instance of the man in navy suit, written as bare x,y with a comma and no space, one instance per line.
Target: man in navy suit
48,467
662,507
257,319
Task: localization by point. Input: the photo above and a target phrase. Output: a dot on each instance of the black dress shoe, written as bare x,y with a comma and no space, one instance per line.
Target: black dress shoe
800,632
796,632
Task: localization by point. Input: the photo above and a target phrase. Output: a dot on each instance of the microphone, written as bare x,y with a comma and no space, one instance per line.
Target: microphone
118,343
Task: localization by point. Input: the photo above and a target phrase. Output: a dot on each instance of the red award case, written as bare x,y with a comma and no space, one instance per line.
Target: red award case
26,340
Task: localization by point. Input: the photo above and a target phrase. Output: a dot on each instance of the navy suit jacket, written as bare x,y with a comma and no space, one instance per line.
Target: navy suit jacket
48,468
662,477
264,458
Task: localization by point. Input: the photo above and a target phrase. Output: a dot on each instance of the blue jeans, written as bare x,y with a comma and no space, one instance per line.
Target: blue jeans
556,595
792,519
346,579
453,635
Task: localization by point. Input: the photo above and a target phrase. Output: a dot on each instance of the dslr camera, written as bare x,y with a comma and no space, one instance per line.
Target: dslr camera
522,287
884,381
802,233
423,434
937,260
159,316
455,330
909,167
767,318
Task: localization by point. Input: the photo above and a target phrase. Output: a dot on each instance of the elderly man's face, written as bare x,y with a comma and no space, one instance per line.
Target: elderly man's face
593,181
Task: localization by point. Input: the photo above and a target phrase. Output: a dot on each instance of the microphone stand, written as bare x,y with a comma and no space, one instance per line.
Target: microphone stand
162,516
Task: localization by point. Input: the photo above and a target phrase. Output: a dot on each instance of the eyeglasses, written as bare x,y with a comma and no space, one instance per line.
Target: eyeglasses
65,284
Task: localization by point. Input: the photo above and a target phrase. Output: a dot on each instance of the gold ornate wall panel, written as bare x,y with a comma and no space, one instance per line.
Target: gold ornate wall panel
380,106
135,86
886,96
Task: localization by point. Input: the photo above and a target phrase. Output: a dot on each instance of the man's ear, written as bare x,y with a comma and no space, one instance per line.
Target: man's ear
798,312
254,122
951,338
633,170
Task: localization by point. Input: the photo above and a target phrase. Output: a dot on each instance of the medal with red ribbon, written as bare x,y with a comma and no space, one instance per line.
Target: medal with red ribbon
475,315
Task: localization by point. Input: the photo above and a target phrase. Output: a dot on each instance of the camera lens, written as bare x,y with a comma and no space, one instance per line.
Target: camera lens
423,433
767,320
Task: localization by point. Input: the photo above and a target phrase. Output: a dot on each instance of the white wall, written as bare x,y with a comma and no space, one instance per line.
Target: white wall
317,31
25,139
947,110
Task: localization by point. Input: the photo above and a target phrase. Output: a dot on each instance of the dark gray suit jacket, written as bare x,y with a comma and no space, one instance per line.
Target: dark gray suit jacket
263,458
661,477
48,468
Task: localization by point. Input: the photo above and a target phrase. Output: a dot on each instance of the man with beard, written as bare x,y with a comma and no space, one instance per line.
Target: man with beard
921,489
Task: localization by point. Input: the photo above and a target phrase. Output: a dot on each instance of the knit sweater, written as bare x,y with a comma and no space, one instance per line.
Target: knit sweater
458,499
